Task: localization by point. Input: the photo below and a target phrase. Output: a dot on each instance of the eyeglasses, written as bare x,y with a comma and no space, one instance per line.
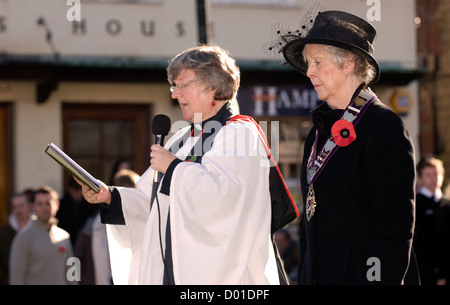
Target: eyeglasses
181,86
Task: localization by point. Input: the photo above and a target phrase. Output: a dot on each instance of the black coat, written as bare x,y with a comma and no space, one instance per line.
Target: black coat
365,202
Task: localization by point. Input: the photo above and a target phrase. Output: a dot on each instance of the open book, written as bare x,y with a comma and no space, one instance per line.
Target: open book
72,167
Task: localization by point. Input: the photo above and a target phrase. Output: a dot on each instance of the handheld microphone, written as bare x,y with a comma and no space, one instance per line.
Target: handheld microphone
160,128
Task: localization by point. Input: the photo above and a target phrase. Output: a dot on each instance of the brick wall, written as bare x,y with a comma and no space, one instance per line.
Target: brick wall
434,52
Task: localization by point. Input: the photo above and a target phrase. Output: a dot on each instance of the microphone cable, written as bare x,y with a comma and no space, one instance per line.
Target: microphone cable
155,196
166,271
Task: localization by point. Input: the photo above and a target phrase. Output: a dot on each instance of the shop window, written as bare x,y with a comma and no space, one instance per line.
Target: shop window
98,136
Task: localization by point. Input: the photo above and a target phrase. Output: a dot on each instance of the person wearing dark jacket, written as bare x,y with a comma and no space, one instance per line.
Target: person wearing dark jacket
358,170
431,237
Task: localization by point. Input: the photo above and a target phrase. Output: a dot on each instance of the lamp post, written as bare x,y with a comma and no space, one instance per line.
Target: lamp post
204,23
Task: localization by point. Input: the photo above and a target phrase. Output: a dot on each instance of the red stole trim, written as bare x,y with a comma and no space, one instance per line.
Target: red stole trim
249,120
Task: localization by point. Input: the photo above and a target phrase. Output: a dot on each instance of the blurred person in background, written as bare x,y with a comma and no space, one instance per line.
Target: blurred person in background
444,240
124,177
120,164
74,211
289,251
39,253
431,238
19,219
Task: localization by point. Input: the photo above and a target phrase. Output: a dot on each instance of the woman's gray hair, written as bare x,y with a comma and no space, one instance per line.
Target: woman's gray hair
214,68
363,69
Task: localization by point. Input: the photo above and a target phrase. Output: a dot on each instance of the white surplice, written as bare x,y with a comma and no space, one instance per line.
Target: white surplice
220,216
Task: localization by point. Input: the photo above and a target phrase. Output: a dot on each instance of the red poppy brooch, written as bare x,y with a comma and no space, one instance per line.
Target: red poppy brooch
343,132
62,249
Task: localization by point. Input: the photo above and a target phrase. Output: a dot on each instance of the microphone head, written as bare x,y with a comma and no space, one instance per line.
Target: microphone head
161,125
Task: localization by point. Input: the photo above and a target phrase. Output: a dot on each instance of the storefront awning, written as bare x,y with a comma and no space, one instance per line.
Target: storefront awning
131,69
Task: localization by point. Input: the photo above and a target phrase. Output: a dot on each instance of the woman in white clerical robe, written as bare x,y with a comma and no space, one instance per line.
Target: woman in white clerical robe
211,218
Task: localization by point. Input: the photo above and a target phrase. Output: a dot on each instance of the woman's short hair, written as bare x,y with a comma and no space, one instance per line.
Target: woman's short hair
126,177
213,66
363,69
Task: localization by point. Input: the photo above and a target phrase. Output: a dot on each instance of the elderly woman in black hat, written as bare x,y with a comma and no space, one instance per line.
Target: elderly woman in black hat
358,171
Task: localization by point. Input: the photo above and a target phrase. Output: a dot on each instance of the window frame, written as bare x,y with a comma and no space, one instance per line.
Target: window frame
138,113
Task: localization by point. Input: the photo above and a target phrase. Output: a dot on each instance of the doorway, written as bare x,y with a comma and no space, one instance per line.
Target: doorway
6,176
